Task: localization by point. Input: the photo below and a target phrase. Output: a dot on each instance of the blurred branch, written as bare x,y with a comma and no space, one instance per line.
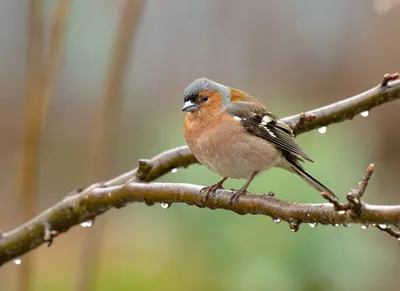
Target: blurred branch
103,139
32,126
129,187
41,75
52,62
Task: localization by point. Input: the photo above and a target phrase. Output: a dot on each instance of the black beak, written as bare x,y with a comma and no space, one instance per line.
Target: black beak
189,106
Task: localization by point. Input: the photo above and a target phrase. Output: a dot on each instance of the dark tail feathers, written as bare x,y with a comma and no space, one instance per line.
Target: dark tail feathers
310,179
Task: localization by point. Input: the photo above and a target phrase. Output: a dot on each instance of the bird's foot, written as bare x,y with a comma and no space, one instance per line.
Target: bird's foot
235,196
210,190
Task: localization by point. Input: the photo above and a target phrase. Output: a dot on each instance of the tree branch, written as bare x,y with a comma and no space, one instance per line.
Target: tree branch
85,205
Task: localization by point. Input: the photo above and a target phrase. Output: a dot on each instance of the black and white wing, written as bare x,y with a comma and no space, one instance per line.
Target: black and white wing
257,121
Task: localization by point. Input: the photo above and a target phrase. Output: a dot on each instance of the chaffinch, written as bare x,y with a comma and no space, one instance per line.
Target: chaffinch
233,135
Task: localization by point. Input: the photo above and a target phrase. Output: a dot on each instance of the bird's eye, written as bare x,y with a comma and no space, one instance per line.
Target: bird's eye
204,99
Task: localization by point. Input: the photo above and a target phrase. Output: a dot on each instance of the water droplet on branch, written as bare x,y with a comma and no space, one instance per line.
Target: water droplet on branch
88,223
383,226
294,226
174,170
364,226
277,220
365,113
313,224
18,261
322,129
165,205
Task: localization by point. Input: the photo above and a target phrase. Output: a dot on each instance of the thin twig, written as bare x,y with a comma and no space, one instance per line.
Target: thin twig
354,195
346,109
387,78
389,230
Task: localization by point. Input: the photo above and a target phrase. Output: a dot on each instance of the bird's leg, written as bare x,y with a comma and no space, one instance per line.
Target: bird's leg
211,189
241,191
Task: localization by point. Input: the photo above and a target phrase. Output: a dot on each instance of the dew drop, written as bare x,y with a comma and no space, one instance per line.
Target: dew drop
313,224
364,226
277,220
398,238
174,170
346,224
165,205
341,212
336,224
365,113
18,261
383,226
322,129
88,223
294,226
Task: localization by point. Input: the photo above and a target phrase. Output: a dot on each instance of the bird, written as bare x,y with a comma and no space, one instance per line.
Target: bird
234,135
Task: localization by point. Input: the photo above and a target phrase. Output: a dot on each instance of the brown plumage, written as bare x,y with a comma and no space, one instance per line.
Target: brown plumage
234,135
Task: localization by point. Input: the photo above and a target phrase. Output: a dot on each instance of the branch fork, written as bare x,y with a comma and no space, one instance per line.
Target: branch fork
84,205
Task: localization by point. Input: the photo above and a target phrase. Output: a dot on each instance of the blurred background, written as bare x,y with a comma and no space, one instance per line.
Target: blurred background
100,83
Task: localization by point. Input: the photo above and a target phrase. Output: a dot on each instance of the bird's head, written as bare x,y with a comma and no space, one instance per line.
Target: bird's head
205,96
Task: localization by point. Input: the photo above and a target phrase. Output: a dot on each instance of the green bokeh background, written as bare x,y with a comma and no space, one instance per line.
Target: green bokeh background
292,55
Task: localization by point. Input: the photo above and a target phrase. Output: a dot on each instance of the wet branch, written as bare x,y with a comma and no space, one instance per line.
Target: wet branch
84,205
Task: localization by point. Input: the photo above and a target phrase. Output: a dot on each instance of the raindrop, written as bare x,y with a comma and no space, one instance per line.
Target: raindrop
364,226
322,129
277,220
365,113
294,226
174,170
336,224
398,238
383,226
18,261
313,224
88,223
165,205
346,224
341,212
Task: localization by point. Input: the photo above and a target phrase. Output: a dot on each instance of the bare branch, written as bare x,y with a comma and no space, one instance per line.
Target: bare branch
389,230
87,204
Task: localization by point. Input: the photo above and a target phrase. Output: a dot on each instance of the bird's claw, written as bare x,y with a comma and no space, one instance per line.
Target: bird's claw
209,190
235,197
